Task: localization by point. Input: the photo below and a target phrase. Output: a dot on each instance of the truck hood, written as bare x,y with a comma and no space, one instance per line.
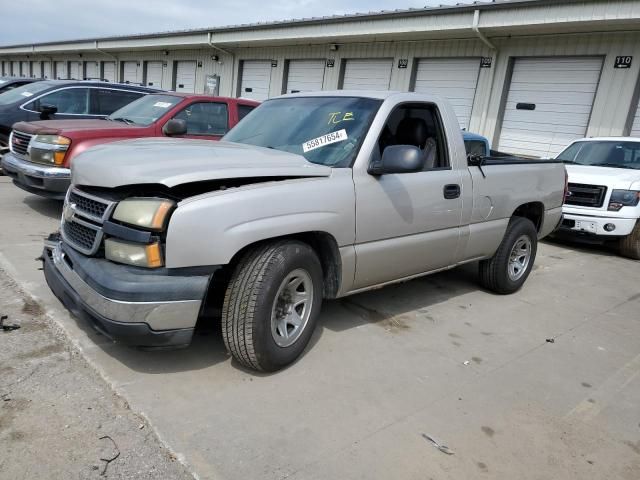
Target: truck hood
621,178
69,127
173,162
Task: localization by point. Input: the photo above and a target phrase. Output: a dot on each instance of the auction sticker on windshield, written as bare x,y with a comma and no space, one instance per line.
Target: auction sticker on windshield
323,140
162,104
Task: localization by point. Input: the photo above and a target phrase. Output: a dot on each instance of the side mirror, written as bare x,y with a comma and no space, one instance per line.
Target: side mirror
399,159
175,127
46,111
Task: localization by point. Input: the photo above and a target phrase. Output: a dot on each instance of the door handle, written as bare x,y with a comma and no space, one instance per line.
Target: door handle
451,191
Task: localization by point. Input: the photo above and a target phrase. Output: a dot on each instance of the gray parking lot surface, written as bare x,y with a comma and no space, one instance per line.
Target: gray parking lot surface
387,370
58,419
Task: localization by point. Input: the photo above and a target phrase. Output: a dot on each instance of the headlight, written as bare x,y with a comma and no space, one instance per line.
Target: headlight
49,149
136,254
623,198
151,213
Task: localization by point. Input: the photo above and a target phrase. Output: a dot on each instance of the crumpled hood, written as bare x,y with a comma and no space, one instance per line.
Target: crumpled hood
173,162
613,178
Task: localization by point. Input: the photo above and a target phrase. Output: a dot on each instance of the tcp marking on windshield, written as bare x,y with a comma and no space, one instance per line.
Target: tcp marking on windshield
323,140
336,117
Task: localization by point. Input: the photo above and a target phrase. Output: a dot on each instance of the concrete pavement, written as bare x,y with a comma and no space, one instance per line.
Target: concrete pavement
388,366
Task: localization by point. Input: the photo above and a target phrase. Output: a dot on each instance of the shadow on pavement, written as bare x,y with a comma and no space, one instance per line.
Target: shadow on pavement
205,350
44,206
392,306
607,249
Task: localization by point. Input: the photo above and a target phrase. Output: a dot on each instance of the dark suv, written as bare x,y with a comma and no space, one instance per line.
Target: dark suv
63,99
9,83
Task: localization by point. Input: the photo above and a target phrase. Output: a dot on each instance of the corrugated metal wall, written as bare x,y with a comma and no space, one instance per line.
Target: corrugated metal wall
613,109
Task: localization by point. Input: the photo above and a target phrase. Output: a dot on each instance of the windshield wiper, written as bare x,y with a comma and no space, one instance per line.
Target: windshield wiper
569,161
614,165
124,120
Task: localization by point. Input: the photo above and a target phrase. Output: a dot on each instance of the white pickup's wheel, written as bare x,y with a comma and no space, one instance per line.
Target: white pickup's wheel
510,266
271,304
630,245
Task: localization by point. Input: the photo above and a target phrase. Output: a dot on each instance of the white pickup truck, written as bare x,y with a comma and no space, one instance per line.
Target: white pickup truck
603,202
312,196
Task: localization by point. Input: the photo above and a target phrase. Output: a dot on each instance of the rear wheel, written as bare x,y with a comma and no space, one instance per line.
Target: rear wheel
510,266
630,245
271,305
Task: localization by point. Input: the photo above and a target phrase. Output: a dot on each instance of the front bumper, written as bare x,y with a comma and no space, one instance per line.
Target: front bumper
125,304
50,182
590,225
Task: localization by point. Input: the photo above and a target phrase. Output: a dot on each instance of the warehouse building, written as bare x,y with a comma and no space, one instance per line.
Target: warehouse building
531,75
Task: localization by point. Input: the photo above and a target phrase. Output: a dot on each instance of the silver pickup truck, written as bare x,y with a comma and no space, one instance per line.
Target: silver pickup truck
312,196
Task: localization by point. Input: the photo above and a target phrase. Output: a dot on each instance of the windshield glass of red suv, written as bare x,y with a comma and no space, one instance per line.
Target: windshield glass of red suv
145,110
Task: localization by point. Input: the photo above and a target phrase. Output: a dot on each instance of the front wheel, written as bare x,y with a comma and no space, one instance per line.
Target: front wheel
271,305
510,266
630,245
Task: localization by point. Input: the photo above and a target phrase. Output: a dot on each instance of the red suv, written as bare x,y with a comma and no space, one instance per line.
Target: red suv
41,152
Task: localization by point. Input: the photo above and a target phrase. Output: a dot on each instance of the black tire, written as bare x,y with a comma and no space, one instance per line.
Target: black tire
629,246
250,299
494,272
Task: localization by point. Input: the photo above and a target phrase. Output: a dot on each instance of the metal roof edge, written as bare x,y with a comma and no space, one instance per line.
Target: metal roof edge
384,14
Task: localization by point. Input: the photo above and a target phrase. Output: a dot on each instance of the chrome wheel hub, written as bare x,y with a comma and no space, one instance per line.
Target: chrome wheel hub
519,258
292,308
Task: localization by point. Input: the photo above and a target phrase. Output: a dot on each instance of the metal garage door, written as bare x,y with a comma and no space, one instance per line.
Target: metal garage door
131,72
109,71
256,79
74,71
36,69
15,69
367,74
25,69
61,70
46,70
455,79
305,76
186,76
154,74
91,70
549,104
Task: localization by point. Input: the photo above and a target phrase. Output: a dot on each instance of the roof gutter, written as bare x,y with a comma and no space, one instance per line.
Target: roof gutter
103,52
494,53
231,54
479,34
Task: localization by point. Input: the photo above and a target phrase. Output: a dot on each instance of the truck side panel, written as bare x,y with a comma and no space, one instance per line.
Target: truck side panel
496,198
257,212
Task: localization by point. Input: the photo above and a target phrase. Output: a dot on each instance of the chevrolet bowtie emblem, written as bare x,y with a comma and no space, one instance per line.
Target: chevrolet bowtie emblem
69,212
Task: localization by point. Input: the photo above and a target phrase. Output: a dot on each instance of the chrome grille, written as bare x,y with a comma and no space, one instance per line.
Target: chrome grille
81,235
19,142
91,207
82,218
584,195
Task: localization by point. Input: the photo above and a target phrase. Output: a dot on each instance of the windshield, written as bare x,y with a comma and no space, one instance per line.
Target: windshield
23,92
606,153
325,130
145,110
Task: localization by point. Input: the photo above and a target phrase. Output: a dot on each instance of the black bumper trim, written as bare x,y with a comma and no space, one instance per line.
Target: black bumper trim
133,334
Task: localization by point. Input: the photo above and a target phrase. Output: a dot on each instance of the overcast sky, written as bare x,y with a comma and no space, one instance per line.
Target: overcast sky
32,21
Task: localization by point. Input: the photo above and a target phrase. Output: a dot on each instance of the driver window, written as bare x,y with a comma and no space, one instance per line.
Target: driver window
418,125
205,118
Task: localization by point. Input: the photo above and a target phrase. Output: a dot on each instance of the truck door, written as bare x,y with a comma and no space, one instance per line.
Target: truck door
409,223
